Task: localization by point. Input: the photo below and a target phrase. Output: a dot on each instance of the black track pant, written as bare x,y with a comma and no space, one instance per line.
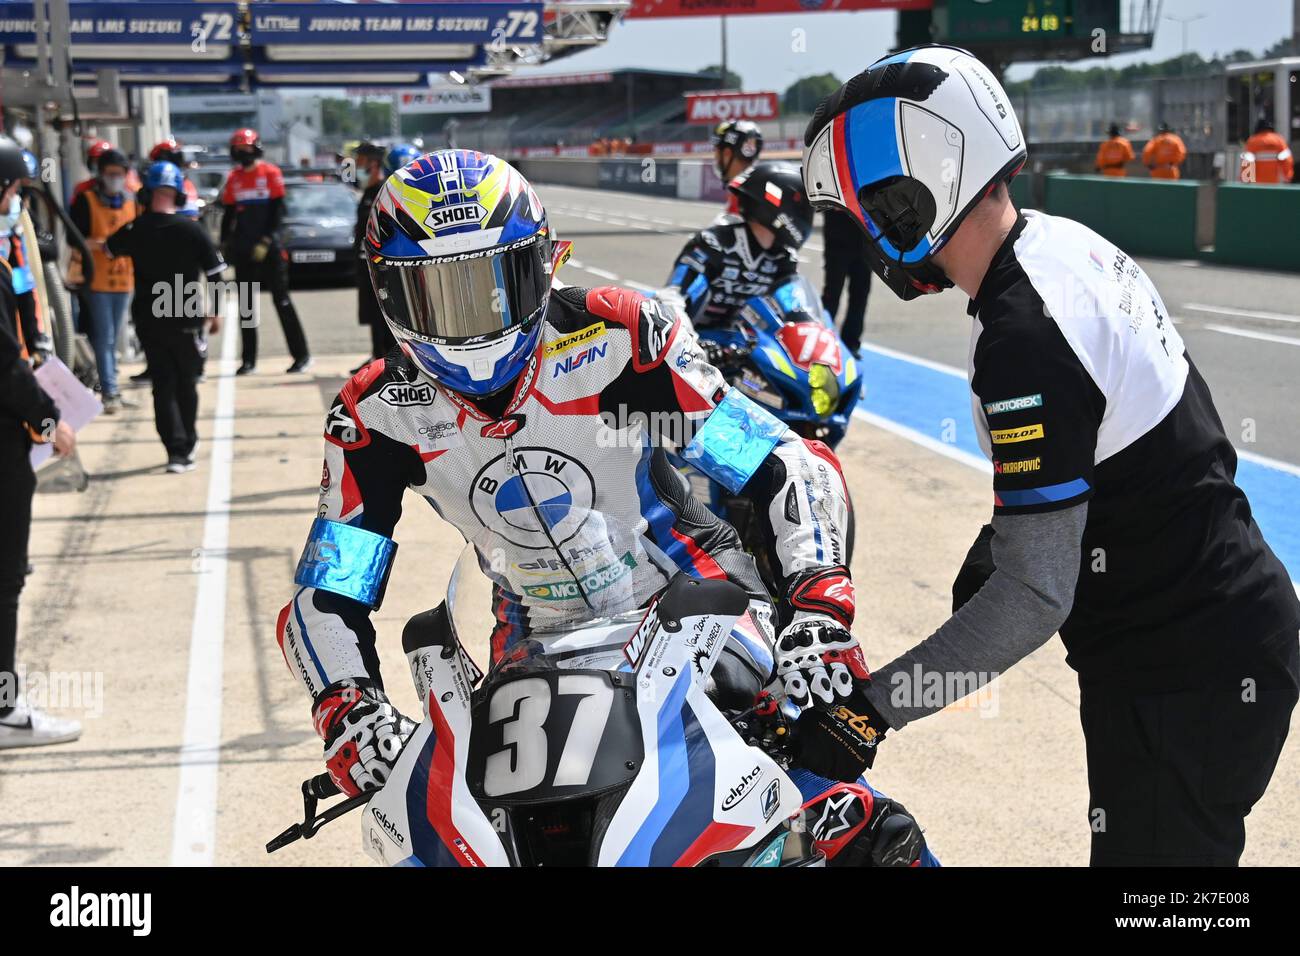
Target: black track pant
176,359
1173,774
17,484
272,274
858,274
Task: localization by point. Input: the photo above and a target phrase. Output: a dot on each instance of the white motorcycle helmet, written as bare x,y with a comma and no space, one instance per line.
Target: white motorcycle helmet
907,149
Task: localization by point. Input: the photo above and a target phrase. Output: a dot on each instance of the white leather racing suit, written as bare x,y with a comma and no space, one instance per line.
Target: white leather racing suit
614,374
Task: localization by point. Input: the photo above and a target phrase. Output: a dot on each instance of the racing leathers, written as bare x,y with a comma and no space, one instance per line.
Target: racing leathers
722,267
614,374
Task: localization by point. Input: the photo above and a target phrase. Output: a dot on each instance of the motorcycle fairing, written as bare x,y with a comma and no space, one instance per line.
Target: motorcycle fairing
701,789
425,814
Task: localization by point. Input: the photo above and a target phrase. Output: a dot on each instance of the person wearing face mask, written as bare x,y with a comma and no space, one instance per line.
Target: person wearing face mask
371,172
98,213
27,414
253,199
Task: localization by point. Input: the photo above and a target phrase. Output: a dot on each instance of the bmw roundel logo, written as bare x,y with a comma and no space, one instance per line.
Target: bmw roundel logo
541,496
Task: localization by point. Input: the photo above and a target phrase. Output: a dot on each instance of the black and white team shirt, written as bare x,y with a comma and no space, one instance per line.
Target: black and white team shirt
1082,391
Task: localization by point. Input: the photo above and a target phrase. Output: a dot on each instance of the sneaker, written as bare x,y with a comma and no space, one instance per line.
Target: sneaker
194,452
179,464
301,365
142,378
28,727
246,368
112,404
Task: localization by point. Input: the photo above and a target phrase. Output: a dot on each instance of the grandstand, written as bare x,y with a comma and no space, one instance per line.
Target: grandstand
574,109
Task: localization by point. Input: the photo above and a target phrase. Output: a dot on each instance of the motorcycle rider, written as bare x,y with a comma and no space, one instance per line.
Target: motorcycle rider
725,265
486,410
736,147
1116,518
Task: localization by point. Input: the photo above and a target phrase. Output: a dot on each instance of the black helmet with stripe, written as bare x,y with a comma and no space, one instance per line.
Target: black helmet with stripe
773,195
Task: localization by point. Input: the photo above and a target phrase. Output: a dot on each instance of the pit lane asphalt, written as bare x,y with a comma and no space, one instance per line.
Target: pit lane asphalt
121,569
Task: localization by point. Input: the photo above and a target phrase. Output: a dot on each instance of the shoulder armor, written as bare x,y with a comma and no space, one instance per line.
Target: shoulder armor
651,323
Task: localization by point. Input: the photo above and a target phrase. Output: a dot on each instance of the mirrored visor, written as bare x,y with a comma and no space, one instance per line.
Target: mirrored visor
455,300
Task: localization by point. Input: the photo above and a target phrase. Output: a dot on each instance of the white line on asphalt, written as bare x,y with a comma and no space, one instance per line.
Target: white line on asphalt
925,441
603,273
1248,334
195,824
1243,313
1264,460
915,360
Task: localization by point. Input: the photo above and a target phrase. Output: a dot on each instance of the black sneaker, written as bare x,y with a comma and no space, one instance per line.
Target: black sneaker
245,369
142,378
178,465
301,365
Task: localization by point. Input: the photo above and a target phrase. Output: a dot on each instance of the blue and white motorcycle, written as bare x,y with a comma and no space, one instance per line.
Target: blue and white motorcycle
783,351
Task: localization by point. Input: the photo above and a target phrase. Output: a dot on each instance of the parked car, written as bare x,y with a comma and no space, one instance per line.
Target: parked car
318,223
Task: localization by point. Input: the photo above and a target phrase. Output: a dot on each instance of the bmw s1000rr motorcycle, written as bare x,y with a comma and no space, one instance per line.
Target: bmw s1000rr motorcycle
595,740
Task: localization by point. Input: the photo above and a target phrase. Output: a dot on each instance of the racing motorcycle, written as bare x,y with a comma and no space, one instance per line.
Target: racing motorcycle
783,351
596,739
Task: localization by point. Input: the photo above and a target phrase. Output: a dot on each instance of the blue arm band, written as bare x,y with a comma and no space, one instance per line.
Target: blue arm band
345,560
734,440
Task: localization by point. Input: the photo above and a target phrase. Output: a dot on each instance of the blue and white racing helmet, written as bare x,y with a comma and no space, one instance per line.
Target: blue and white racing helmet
907,149
460,256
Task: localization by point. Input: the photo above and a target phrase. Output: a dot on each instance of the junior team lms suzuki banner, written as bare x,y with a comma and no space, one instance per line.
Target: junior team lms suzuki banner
714,108
131,31
729,8
287,24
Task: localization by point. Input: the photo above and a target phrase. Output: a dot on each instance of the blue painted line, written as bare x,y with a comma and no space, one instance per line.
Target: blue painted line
936,405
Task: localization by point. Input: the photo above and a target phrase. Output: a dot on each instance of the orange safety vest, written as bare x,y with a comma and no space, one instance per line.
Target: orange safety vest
1163,154
1113,154
1270,157
112,273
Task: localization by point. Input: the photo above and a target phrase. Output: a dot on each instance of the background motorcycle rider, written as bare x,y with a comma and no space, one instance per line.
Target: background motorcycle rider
736,146
730,262
253,200
488,372
1116,518
25,412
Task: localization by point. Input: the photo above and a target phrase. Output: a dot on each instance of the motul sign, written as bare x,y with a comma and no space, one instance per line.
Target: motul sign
715,108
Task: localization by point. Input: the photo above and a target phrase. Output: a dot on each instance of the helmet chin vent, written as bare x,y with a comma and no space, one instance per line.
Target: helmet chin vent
902,209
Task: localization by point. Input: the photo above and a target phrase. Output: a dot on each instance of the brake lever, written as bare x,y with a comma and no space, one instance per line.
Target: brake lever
313,790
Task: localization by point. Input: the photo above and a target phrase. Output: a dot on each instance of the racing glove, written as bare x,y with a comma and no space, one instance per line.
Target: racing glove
259,251
815,651
363,733
811,659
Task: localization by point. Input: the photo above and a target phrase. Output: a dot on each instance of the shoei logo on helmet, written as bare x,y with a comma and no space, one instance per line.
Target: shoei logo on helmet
443,217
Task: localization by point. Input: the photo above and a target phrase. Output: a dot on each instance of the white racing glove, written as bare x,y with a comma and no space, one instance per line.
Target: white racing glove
363,733
814,658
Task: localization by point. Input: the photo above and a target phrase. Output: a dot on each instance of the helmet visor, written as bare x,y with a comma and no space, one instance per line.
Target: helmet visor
462,298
